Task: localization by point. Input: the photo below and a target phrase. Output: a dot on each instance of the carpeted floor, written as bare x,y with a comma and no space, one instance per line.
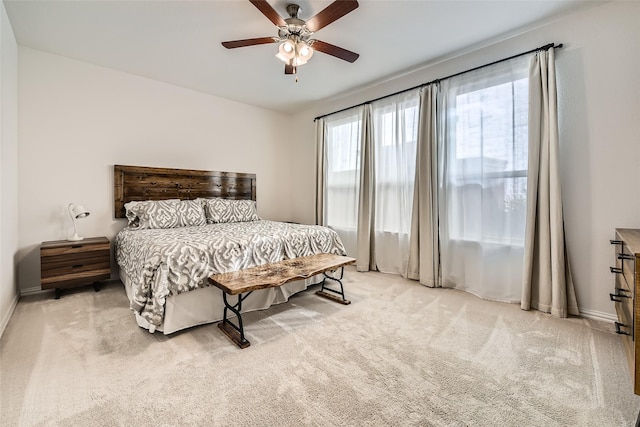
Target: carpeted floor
400,354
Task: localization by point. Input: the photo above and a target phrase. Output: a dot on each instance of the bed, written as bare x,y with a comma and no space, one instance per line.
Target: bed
186,225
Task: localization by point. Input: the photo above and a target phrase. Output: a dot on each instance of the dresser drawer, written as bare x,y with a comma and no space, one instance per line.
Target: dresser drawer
624,306
627,340
627,262
621,283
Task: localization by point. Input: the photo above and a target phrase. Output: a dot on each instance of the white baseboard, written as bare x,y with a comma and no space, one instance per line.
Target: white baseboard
586,313
38,290
598,315
8,314
33,291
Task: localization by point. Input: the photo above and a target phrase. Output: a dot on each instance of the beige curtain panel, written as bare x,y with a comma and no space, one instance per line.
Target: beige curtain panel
321,161
424,251
547,283
365,260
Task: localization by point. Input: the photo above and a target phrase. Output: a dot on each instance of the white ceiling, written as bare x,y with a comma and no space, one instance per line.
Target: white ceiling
178,42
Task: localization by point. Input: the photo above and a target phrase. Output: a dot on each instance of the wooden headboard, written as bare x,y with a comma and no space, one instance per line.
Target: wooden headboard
147,183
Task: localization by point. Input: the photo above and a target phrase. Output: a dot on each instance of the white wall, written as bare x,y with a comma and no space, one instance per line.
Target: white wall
8,169
77,120
599,97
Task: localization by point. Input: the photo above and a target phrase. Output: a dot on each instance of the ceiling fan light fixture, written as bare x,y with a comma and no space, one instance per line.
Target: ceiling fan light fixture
286,51
304,50
287,46
303,53
297,61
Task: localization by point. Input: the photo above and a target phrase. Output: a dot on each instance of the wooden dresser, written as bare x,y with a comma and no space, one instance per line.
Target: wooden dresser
625,297
67,264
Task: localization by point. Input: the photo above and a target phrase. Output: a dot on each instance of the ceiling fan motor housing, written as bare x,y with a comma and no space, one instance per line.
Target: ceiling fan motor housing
295,26
293,10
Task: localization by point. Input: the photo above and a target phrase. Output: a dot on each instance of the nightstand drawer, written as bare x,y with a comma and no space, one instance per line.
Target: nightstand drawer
59,261
70,250
75,279
76,266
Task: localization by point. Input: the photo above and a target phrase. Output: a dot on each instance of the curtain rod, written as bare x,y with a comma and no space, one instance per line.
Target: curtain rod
545,47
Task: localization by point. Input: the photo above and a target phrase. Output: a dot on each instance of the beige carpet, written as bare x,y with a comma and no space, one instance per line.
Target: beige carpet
400,354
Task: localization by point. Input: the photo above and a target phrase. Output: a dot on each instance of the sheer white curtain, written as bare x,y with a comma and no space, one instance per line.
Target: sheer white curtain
483,120
395,132
342,147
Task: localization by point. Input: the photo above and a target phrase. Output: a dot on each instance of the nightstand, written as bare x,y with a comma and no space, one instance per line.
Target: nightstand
67,264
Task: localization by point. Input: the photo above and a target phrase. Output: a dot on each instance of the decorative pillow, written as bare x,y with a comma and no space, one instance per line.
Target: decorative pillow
224,210
191,213
165,213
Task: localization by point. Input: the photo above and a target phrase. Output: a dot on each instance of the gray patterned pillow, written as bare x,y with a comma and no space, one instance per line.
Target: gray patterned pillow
224,210
191,213
165,213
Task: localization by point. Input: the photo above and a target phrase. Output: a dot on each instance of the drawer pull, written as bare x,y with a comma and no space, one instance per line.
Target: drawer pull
618,330
626,256
77,266
617,270
615,297
616,242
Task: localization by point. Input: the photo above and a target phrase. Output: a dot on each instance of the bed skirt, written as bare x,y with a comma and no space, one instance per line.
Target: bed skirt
205,305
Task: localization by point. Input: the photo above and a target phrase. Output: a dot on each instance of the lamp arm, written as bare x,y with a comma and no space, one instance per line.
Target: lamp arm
75,227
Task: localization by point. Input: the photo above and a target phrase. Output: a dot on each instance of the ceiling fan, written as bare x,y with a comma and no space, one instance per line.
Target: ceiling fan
294,34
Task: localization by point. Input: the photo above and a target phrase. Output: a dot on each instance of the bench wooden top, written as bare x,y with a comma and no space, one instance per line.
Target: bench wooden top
277,273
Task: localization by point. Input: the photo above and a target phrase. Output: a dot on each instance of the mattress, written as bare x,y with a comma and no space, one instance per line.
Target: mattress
162,268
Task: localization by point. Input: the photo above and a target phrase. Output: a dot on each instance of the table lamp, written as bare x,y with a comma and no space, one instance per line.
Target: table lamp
75,212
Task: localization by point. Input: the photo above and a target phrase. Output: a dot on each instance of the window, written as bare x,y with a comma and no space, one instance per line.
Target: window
395,134
487,160
345,148
483,188
343,169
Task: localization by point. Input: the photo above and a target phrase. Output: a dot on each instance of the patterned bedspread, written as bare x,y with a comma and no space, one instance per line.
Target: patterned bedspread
163,262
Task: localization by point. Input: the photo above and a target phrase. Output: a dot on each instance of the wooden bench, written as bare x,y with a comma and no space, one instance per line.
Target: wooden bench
244,282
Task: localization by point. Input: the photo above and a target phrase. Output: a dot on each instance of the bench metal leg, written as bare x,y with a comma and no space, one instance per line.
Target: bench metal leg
234,332
324,291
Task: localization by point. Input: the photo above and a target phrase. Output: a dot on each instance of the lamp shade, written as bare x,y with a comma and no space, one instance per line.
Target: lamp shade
75,212
304,51
286,51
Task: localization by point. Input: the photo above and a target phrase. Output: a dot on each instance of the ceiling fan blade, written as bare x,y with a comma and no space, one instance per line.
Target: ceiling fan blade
248,42
336,51
333,12
289,69
269,12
